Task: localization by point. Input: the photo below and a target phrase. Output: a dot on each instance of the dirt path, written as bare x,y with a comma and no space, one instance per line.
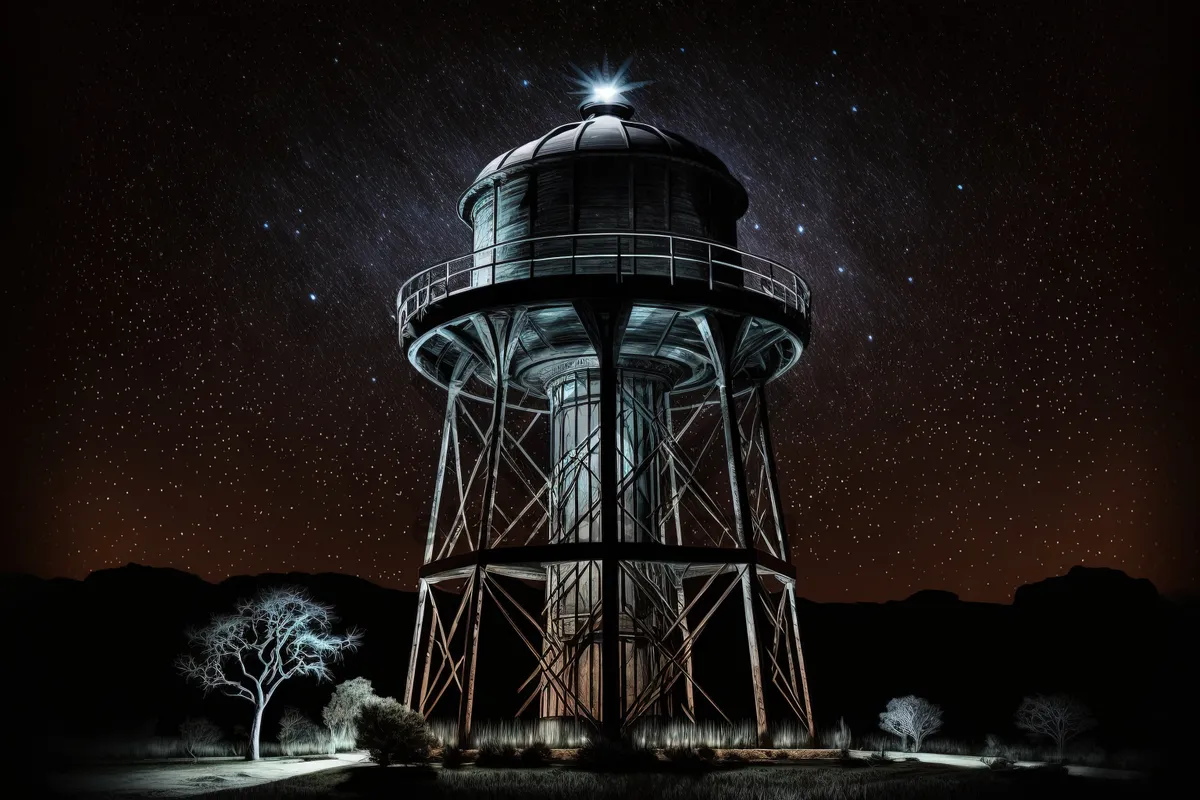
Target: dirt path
186,779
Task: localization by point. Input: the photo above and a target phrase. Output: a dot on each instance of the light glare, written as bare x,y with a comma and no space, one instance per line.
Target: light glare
605,85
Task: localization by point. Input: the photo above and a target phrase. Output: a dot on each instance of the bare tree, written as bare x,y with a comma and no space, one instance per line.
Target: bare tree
1057,716
911,717
343,707
894,722
198,732
291,721
280,634
297,731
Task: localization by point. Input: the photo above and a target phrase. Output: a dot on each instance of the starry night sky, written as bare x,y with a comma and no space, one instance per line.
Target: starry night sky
211,216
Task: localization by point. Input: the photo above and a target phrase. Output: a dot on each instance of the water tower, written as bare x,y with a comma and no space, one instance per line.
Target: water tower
605,351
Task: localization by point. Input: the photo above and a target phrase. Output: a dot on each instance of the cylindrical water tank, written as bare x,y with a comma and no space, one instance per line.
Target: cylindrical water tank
604,174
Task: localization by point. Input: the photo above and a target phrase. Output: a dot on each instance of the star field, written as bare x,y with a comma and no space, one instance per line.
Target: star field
217,212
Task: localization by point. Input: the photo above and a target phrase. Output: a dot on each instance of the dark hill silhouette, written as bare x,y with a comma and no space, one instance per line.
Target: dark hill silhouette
95,656
932,596
1089,588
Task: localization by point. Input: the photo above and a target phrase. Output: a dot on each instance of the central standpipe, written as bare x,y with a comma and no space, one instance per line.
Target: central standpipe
605,327
605,449
574,592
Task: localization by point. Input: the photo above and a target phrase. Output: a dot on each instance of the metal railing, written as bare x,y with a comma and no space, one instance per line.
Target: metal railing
620,254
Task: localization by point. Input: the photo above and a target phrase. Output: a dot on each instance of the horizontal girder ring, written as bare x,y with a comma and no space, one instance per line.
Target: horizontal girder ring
536,557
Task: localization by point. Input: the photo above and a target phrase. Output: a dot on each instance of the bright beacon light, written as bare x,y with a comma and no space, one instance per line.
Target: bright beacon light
605,85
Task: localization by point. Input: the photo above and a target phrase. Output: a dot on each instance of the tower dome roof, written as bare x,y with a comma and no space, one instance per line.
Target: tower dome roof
605,128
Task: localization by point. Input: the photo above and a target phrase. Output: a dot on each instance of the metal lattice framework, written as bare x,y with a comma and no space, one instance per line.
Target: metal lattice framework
607,490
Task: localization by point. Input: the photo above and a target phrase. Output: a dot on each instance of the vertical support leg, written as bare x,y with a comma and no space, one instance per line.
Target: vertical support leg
684,630
781,632
422,596
749,581
466,703
456,383
433,624
721,339
670,424
680,599
768,450
791,596
605,326
500,337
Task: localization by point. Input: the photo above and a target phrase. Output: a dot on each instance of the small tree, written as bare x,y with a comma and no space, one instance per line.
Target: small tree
291,724
279,634
392,733
297,730
198,732
1058,717
340,712
911,717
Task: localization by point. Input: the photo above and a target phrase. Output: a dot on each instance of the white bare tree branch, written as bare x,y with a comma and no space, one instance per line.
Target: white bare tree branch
911,717
1058,717
281,633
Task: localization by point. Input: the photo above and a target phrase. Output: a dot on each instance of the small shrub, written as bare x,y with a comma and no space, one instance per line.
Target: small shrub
445,731
878,759
686,759
198,733
496,754
1050,769
536,755
452,757
997,762
241,741
679,753
950,747
1139,761
707,754
781,755
1090,756
392,733
734,757
601,755
839,738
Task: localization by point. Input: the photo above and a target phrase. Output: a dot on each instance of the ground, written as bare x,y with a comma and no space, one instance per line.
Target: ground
186,779
294,778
